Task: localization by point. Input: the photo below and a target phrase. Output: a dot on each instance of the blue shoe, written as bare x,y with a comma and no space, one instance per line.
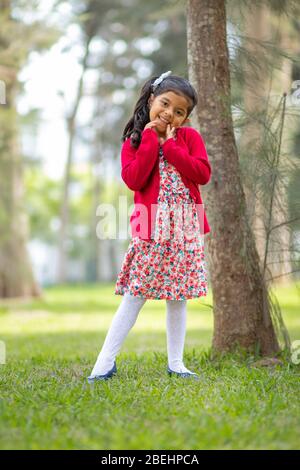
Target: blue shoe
91,379
183,374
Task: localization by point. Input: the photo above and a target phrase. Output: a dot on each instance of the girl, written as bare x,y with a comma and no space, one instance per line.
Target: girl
163,163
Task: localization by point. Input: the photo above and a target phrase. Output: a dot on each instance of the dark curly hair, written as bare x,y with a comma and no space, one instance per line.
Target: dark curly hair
141,117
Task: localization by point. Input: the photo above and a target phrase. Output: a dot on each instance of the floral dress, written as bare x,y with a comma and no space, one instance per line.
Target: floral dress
172,264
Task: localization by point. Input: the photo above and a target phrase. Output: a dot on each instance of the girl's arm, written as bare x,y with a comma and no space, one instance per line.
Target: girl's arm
193,164
137,164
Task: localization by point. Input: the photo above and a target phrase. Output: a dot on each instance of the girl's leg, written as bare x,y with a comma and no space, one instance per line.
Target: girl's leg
176,328
124,319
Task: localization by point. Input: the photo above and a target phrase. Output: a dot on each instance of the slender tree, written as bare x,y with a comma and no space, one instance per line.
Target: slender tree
64,212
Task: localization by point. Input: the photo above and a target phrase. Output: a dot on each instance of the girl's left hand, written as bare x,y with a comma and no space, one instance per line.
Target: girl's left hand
170,133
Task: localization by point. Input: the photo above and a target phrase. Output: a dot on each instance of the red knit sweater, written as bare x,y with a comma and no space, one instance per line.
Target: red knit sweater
140,172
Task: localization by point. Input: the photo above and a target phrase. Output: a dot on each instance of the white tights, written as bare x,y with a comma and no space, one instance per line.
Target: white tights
124,319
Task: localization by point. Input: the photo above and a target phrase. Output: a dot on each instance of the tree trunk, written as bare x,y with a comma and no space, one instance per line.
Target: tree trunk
97,191
240,298
16,276
64,213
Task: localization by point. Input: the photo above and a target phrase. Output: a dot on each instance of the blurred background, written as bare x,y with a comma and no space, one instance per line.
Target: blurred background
72,72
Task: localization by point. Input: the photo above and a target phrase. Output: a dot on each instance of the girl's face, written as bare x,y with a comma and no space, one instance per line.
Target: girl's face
168,108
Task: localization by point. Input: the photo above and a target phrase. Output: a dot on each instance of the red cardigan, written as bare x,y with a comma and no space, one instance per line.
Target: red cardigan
140,172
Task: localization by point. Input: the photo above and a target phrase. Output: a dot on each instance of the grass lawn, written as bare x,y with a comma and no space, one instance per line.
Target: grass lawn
51,347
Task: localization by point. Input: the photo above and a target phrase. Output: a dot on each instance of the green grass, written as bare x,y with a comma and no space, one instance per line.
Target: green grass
52,344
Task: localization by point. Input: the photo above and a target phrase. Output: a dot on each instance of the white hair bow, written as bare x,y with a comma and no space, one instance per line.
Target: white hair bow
160,79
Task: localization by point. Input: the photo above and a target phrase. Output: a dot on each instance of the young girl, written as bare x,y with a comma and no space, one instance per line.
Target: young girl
163,163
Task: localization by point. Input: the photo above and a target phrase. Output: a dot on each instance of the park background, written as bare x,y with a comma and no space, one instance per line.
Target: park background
72,72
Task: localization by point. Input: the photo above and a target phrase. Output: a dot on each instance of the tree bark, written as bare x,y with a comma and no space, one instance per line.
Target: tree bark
240,299
16,275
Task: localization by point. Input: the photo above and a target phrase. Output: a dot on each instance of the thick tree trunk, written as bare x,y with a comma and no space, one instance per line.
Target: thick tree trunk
241,309
16,276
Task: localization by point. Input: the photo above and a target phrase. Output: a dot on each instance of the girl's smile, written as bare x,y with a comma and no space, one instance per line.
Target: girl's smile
168,108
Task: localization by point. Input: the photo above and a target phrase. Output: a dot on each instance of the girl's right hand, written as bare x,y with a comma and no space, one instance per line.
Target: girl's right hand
151,124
